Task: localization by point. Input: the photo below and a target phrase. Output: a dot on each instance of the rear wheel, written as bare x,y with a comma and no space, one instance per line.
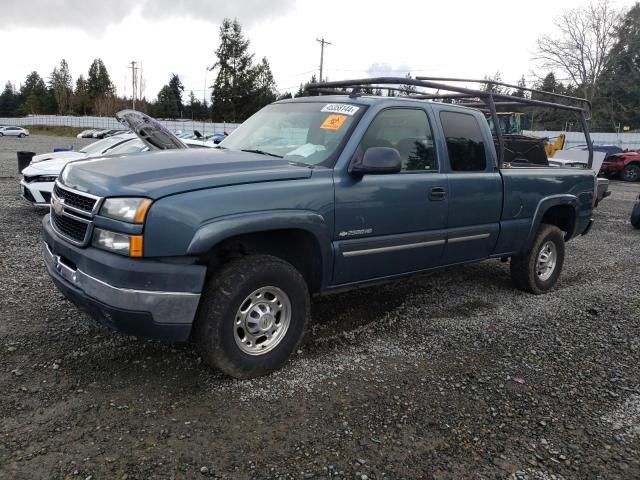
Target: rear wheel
631,173
252,316
537,271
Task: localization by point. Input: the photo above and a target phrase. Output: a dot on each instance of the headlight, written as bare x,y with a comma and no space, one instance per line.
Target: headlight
46,178
128,245
132,210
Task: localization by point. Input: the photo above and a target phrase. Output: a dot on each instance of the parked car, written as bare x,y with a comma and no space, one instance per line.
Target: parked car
310,195
625,165
86,133
607,149
109,133
217,138
38,178
14,132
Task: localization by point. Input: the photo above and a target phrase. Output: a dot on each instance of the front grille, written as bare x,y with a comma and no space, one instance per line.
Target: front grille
70,227
75,200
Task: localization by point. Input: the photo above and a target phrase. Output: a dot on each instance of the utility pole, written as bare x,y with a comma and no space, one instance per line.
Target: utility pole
322,42
134,81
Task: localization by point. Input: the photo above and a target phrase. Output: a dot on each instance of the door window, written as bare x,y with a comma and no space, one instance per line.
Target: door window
408,131
465,142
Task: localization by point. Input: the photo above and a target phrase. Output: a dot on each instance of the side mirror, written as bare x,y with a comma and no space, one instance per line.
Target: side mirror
377,161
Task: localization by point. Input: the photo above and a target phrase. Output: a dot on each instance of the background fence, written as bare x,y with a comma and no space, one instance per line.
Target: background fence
104,123
623,140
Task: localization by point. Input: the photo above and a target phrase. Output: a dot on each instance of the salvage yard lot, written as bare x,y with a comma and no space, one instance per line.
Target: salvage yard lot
449,375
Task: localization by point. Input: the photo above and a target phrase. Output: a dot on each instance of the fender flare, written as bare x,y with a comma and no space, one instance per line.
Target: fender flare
543,206
215,231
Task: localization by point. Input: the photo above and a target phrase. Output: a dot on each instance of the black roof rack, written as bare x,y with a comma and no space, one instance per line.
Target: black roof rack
447,88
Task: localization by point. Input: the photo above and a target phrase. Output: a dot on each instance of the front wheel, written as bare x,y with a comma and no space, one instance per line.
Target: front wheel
537,270
22,135
631,173
252,316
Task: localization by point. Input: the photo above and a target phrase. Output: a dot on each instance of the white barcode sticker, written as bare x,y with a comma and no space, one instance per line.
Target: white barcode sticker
342,108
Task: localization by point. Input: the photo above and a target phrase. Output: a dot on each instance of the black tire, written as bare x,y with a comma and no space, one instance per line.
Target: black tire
22,135
524,268
631,173
635,215
215,329
1,134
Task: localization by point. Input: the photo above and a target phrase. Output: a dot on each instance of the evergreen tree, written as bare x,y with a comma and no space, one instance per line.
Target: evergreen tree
522,83
8,101
233,87
407,90
264,85
177,88
167,104
303,92
491,88
33,95
620,89
99,82
81,100
60,84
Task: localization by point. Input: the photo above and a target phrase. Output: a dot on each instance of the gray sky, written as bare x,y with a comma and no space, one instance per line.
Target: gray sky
455,38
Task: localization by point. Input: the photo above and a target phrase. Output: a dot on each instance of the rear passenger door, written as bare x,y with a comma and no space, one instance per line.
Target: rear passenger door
475,188
391,224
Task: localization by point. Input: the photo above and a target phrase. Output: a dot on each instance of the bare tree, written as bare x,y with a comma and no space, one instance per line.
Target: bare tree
581,45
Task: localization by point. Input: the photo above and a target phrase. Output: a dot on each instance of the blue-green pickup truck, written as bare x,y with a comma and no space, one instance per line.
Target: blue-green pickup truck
225,246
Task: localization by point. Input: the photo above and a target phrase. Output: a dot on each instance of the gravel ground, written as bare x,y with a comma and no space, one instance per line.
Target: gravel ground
445,376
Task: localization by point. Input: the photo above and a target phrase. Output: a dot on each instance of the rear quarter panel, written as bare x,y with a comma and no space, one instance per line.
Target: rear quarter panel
530,192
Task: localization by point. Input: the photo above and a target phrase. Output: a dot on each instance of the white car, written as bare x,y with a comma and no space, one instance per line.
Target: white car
14,132
39,177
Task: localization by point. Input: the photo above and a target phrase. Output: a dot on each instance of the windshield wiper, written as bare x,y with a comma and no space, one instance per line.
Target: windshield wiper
260,152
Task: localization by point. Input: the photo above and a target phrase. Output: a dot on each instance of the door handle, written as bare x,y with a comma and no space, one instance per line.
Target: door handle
438,193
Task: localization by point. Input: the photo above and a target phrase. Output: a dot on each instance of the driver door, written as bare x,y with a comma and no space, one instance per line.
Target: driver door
391,224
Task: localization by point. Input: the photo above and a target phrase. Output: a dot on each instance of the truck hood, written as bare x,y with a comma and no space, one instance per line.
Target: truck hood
155,135
158,174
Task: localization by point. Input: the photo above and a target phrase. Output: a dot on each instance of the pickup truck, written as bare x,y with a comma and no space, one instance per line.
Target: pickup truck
312,195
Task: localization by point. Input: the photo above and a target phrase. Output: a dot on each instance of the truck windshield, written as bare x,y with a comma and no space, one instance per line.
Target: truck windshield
300,132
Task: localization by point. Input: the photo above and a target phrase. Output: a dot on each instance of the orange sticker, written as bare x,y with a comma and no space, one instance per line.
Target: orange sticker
333,122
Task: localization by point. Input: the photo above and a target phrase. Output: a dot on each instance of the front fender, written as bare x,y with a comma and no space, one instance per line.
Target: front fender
212,233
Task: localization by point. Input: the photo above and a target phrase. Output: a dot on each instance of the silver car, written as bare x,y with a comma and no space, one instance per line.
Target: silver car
13,132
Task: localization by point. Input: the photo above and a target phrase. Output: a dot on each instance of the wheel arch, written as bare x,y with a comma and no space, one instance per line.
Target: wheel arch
558,210
298,237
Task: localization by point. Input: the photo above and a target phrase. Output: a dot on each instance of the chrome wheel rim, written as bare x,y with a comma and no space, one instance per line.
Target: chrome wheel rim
262,320
547,259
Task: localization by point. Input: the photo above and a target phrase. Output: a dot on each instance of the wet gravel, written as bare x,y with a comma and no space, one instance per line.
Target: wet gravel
445,376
